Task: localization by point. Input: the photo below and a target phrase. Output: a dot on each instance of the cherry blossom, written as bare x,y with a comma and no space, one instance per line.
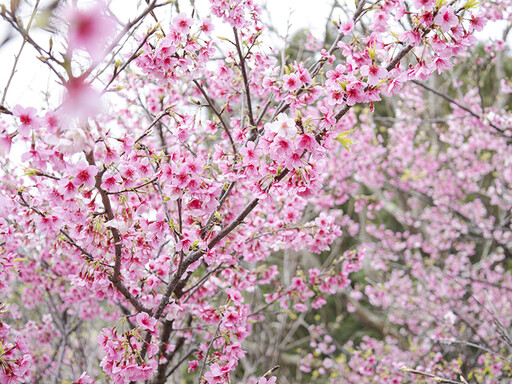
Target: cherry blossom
28,119
183,23
83,174
283,126
89,29
446,19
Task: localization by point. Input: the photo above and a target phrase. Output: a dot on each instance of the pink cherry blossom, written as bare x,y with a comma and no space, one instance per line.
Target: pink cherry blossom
84,379
192,366
214,375
28,119
446,19
5,143
283,126
354,93
146,322
427,5
291,82
183,23
111,183
346,27
206,26
80,100
374,73
271,380
234,295
89,29
250,153
84,174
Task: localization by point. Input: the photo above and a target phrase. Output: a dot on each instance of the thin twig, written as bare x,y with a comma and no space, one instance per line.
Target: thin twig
437,379
208,352
200,283
478,346
135,54
24,33
181,361
455,102
133,189
244,76
153,123
217,113
17,57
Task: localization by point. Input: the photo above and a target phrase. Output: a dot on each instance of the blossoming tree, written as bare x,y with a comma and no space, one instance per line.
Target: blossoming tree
193,207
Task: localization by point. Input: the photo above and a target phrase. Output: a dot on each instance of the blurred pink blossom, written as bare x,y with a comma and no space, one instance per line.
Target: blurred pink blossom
89,29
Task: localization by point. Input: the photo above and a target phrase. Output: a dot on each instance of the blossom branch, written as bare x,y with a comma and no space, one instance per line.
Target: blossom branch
318,65
115,277
134,55
71,241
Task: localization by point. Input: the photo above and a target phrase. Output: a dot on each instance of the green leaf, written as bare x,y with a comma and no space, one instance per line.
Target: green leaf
344,140
471,4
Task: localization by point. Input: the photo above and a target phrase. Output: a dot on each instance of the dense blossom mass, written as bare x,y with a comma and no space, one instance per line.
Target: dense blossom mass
202,207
